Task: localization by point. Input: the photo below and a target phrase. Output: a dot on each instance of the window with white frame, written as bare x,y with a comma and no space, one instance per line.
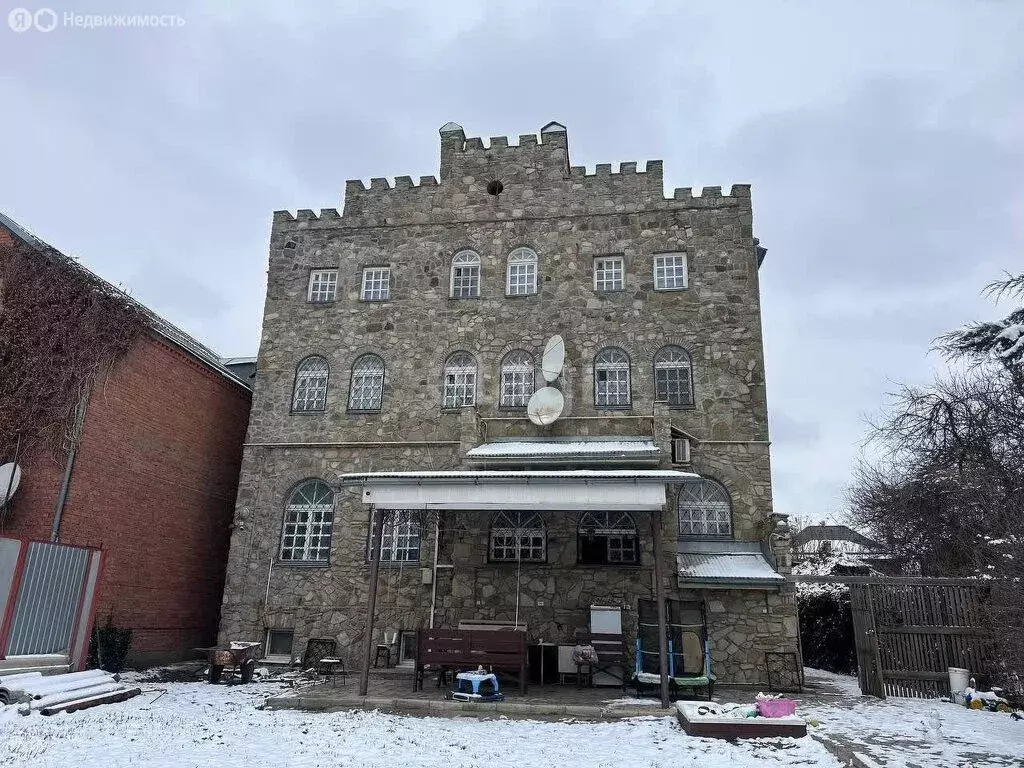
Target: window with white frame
308,519
607,538
609,273
704,509
611,378
279,644
517,537
459,388
323,285
673,377
522,272
366,390
376,284
518,380
465,282
401,535
310,390
669,271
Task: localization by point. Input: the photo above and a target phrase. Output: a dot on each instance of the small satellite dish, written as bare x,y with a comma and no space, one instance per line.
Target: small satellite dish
554,358
10,477
545,406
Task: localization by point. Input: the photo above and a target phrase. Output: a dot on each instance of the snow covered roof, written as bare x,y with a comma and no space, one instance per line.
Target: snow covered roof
525,476
833,533
738,567
563,451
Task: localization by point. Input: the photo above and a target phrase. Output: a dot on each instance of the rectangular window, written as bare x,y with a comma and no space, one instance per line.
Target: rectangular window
279,644
466,281
511,545
401,542
608,274
460,388
613,387
669,271
672,386
517,387
323,285
376,283
522,278
608,549
307,533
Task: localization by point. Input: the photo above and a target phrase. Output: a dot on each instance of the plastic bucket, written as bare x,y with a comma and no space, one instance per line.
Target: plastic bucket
959,680
776,707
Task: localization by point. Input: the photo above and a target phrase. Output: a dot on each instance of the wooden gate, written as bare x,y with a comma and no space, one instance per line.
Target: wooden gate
909,631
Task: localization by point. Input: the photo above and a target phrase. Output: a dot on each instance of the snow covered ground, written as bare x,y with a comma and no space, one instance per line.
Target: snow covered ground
902,732
195,724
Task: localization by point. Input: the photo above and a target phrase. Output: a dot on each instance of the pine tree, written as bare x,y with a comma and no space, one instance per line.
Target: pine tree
1002,340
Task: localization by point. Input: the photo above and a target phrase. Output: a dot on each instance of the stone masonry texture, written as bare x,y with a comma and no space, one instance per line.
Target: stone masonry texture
569,217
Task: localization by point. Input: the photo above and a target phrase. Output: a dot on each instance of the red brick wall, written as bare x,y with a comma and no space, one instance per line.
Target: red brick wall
154,486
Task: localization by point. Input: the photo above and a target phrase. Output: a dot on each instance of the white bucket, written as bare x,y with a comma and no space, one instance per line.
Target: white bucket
959,680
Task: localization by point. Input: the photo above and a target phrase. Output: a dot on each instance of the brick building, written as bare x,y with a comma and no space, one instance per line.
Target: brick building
402,344
152,483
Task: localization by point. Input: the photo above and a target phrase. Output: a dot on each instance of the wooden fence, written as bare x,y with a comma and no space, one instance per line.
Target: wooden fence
909,631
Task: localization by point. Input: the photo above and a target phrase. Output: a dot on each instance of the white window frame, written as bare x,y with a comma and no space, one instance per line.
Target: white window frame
670,271
458,388
521,272
309,392
376,284
402,536
704,508
518,379
464,281
671,386
622,539
517,537
612,378
279,658
308,524
616,265
366,386
323,286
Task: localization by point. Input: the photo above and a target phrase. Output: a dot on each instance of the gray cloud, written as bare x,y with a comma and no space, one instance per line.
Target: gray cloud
883,146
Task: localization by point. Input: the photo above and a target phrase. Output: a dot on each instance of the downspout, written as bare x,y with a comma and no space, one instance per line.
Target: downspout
433,578
65,483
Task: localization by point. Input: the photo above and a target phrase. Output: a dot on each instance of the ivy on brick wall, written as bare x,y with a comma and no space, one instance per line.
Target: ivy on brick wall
61,327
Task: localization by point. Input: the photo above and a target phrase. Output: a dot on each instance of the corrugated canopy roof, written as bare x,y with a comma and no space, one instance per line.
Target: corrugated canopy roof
602,450
732,568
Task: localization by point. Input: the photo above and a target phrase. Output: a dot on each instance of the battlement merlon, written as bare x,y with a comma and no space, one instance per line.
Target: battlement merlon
532,177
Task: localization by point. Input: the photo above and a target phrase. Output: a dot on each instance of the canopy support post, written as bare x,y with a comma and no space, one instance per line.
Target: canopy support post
377,539
659,593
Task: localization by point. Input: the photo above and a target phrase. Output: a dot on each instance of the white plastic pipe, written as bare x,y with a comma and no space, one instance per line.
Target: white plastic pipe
5,681
81,693
71,685
59,681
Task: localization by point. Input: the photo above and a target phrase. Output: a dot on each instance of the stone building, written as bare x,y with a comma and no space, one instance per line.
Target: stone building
401,345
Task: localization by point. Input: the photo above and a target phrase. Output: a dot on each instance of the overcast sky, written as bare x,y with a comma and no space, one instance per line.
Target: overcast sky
884,142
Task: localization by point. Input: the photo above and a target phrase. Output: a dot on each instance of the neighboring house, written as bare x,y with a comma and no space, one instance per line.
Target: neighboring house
402,343
826,540
151,483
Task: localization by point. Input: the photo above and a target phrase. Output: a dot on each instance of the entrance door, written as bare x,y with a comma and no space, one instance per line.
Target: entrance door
869,670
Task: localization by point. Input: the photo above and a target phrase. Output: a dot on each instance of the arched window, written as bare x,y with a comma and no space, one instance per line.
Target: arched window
704,509
308,517
518,537
310,391
518,380
465,282
522,272
607,538
673,377
611,378
366,390
459,381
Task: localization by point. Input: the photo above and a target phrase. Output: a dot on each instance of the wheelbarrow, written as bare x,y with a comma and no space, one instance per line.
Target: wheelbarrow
237,660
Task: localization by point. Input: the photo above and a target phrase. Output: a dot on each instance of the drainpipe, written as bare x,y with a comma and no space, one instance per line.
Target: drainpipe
65,483
433,578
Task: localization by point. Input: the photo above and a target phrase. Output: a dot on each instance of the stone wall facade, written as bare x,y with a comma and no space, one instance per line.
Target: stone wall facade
569,218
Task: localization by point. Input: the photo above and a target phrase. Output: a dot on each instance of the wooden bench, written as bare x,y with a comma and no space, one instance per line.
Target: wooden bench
466,649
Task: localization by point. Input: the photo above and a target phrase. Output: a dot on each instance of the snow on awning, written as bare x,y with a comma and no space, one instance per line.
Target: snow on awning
599,450
578,489
735,567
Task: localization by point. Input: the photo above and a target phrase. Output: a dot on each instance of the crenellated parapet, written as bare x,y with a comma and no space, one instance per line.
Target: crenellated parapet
501,178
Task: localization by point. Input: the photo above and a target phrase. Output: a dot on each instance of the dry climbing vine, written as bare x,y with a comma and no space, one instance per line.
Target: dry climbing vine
60,327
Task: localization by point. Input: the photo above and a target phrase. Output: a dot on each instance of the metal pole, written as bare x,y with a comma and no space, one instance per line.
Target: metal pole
65,483
378,536
659,593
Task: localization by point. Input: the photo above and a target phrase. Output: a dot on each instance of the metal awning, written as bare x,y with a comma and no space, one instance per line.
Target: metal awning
725,565
571,489
595,450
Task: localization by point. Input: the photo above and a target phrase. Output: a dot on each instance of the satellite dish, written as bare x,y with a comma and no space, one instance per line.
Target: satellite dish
10,477
554,358
545,406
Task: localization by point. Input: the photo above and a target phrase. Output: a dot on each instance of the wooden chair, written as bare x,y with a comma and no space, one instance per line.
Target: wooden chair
611,658
318,649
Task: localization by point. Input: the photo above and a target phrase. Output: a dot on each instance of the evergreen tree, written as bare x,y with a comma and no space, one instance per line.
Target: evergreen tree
1002,341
